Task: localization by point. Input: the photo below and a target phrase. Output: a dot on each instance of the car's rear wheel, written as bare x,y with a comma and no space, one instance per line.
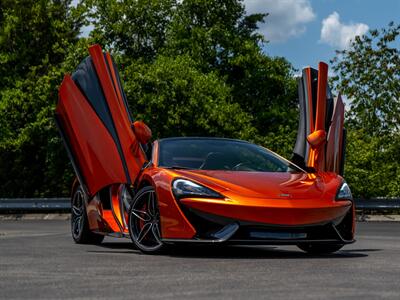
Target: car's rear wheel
320,248
144,222
79,220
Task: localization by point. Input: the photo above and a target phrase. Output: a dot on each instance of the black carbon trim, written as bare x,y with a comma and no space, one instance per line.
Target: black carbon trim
314,91
329,108
343,151
222,220
128,111
300,147
86,79
68,148
260,242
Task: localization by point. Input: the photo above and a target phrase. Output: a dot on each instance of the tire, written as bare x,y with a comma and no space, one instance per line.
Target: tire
144,222
320,248
79,221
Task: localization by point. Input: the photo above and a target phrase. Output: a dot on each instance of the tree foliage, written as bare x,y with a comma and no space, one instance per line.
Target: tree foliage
134,28
210,41
372,167
368,73
192,67
176,98
36,37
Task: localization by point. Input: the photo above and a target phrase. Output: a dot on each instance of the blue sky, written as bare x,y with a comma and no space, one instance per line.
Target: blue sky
308,31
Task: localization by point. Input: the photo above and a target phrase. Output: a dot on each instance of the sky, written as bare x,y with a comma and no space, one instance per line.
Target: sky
308,31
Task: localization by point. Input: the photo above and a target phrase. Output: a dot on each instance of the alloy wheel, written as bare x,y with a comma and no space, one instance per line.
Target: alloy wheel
144,221
77,217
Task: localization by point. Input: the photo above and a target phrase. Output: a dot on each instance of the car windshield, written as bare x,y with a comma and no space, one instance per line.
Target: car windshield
220,154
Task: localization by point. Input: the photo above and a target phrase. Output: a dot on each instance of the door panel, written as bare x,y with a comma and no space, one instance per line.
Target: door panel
94,121
119,114
307,87
317,154
335,141
319,114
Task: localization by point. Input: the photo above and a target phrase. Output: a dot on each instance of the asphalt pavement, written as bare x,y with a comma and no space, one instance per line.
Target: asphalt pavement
39,260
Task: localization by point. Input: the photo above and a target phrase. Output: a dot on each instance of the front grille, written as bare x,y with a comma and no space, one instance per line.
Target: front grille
318,232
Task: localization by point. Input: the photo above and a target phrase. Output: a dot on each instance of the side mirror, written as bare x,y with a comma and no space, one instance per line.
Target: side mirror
142,132
317,138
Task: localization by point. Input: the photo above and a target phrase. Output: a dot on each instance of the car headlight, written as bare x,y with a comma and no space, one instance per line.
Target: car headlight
186,188
344,192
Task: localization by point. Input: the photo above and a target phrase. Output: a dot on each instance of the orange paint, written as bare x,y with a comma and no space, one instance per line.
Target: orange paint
265,198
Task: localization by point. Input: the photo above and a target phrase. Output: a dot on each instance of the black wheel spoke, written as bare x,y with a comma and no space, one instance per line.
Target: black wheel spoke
144,221
77,213
145,230
141,214
76,210
150,204
80,223
77,225
80,229
156,232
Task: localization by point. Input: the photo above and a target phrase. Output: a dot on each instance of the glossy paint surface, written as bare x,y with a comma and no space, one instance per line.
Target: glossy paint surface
93,147
320,116
281,199
317,120
99,135
286,199
269,198
335,138
98,131
132,152
174,223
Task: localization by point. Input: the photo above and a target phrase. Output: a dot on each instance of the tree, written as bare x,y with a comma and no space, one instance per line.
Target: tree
136,28
175,98
372,167
192,67
221,38
368,73
35,39
220,41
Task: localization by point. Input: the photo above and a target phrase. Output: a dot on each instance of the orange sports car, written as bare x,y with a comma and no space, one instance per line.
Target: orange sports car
201,190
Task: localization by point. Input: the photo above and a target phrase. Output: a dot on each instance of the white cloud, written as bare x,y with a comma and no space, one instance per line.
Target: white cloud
338,34
86,30
287,18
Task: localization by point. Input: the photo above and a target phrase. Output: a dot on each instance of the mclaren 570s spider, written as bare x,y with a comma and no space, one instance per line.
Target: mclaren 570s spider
201,190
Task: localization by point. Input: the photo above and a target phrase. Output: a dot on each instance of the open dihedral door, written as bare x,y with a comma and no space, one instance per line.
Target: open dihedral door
321,136
95,123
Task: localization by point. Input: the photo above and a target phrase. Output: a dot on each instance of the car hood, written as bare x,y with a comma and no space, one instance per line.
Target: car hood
271,185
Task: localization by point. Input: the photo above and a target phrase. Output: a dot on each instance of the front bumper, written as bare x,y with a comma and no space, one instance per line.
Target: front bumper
233,233
268,222
282,212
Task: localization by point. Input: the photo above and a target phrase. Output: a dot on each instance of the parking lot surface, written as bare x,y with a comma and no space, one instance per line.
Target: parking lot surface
39,260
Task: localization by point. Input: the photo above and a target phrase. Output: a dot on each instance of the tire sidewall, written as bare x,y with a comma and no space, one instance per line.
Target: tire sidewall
85,236
78,238
142,191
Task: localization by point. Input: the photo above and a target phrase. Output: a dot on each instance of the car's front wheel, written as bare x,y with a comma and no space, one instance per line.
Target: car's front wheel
320,248
144,222
79,221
